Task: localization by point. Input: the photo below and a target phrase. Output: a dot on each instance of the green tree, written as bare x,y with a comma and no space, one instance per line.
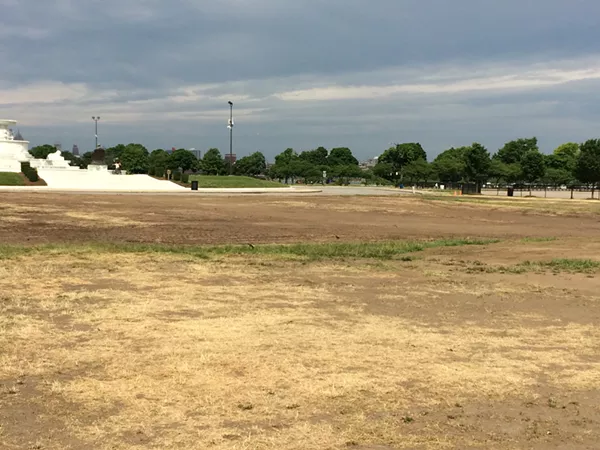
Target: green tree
157,162
417,171
134,158
477,163
532,167
557,177
384,170
449,166
341,156
498,172
42,151
251,165
113,154
212,162
587,168
86,160
287,165
564,157
183,159
513,151
317,157
401,155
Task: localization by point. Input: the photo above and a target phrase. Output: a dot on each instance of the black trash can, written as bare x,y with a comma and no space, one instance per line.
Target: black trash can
194,185
510,191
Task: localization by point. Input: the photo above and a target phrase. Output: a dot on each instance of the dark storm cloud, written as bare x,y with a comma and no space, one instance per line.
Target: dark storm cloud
150,43
438,71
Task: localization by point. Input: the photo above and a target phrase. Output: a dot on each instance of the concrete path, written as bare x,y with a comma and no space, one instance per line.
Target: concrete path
156,190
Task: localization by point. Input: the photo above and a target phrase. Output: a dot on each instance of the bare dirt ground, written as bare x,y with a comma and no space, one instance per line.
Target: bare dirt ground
39,218
445,348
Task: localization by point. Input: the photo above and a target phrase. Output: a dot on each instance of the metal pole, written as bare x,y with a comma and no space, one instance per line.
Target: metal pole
96,119
230,138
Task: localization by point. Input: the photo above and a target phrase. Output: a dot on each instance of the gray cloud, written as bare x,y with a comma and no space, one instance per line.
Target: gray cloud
440,72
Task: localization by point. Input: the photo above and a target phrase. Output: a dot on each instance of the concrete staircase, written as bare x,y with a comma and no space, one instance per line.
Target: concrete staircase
84,180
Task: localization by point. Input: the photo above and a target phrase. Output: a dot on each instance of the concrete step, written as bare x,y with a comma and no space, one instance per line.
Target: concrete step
104,181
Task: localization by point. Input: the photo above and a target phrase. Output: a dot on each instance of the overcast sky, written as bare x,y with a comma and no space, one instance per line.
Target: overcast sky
301,73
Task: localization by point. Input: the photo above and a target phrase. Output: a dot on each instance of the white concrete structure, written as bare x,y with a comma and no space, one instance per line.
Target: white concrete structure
12,152
85,180
58,174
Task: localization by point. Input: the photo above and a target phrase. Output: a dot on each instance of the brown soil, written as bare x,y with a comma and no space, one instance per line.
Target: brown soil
257,219
110,350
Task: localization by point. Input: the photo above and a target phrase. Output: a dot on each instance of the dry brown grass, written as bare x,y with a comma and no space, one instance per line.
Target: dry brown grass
123,351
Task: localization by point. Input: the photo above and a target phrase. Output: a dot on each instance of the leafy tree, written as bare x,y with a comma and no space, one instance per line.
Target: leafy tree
341,156
212,162
564,157
587,168
42,151
384,170
557,177
112,154
134,158
401,155
449,166
416,171
86,159
477,163
532,167
158,161
513,151
183,159
498,172
287,165
514,173
252,165
317,157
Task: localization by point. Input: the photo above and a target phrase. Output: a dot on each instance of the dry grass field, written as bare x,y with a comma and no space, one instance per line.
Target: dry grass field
298,323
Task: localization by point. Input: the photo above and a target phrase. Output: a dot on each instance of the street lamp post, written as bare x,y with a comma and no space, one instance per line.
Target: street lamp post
96,119
230,126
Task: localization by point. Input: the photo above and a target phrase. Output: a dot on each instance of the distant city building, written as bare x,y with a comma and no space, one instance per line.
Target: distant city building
369,163
58,146
197,153
229,157
75,150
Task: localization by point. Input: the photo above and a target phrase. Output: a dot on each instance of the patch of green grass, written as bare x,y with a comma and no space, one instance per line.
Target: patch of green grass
11,179
556,265
538,239
305,251
565,265
209,181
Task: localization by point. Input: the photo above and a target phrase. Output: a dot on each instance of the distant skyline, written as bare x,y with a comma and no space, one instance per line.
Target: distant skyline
353,73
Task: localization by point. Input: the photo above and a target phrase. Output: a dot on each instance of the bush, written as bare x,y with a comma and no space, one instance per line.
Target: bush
185,178
151,171
29,172
176,176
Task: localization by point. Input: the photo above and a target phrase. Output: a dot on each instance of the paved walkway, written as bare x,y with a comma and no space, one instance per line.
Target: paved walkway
293,190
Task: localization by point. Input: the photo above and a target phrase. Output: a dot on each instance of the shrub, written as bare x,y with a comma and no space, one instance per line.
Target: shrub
29,172
185,178
151,171
176,175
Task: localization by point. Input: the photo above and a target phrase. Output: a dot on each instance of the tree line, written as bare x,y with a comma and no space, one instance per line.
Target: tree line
517,162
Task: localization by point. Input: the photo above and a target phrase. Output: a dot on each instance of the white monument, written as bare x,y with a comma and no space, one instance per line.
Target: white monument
14,151
58,174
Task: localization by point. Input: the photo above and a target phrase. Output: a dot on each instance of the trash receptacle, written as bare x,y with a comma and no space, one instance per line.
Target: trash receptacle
510,191
194,185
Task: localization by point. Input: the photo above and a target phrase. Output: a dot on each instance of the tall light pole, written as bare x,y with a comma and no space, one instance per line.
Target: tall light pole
230,126
96,119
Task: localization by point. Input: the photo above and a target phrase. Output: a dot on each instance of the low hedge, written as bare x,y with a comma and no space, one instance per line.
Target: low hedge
29,172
